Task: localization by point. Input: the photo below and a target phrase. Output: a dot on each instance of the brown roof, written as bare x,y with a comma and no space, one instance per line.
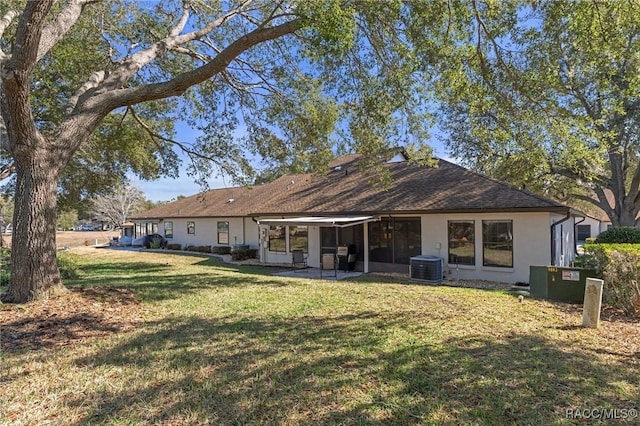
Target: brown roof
345,190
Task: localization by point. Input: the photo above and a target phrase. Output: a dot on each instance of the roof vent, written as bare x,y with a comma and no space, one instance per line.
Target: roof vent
230,200
337,169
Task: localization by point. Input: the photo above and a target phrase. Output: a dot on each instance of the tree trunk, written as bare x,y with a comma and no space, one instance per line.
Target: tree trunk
35,273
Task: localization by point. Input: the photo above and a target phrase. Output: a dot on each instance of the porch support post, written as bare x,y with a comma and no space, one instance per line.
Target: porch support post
366,247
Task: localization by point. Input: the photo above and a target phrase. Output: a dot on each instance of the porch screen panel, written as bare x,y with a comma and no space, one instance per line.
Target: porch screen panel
381,241
328,241
299,238
277,238
462,246
497,243
407,241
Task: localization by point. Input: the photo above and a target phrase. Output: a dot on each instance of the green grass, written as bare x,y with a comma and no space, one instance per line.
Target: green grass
227,345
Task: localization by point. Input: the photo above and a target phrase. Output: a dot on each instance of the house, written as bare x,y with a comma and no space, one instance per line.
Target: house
590,226
482,228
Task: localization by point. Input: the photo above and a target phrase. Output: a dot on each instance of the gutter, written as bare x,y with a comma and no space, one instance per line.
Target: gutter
553,247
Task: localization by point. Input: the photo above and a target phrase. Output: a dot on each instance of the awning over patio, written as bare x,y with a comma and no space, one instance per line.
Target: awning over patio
326,221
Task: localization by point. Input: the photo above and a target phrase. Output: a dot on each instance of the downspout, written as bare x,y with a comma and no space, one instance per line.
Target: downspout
553,247
575,235
260,248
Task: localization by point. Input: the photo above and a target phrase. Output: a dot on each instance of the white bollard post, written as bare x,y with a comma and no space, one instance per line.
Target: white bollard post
592,303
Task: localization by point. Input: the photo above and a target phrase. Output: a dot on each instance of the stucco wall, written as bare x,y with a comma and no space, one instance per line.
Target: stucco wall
596,226
531,245
241,231
531,241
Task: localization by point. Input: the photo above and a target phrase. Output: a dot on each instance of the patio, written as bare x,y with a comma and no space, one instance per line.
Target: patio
318,274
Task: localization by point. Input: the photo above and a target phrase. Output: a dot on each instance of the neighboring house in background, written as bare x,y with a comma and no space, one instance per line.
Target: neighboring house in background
482,228
590,227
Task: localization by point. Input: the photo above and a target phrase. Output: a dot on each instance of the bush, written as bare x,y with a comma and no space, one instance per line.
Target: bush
174,246
199,249
5,266
69,266
618,266
620,235
244,254
221,250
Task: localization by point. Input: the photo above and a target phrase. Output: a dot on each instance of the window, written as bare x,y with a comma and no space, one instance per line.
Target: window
151,228
277,238
299,238
584,232
191,227
497,243
223,232
139,229
462,242
168,229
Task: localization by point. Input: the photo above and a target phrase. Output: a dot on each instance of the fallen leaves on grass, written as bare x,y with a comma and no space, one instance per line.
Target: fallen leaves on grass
75,316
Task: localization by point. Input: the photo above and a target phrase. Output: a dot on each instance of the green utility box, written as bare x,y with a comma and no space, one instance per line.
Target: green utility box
558,283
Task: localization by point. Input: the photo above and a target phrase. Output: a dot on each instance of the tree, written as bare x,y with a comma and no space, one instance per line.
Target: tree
90,85
66,219
548,97
116,207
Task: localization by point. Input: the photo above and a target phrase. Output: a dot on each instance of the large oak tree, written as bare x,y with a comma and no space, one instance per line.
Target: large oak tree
92,88
546,94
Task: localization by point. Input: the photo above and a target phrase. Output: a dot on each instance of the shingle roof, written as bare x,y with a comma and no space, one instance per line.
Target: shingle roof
345,190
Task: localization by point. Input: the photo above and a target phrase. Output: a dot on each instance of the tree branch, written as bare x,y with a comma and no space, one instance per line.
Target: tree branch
137,61
599,180
57,29
604,204
190,152
4,23
175,31
596,202
176,86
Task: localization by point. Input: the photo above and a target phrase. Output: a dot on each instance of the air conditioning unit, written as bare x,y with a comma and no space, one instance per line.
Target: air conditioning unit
429,269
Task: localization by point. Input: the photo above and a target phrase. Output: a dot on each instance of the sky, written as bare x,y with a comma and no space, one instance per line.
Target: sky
167,189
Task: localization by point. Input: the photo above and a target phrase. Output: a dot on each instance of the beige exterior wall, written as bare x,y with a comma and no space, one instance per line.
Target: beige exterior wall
596,225
531,241
241,231
531,244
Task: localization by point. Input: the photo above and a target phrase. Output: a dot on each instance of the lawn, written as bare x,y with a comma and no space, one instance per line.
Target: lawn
174,339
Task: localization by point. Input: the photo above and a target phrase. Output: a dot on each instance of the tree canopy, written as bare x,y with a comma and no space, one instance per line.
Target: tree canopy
546,96
91,90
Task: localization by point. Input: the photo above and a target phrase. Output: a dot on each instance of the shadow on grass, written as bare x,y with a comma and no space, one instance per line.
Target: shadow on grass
159,281
347,370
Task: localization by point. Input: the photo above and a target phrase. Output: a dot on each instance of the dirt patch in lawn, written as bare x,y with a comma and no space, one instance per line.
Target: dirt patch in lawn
76,316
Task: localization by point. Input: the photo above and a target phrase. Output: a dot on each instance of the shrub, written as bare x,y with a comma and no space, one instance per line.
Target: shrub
174,246
221,250
618,266
244,254
620,235
69,266
5,266
199,249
